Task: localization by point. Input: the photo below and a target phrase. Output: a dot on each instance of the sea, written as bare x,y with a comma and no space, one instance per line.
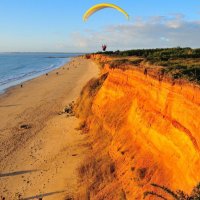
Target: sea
16,68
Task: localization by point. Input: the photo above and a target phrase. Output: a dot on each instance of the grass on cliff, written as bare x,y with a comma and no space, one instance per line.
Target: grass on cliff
177,63
176,195
97,172
84,104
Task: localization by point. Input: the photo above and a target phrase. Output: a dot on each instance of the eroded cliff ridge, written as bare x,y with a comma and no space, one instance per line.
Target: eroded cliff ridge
143,130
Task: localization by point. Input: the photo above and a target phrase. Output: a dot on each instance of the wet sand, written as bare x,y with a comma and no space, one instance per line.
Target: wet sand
42,157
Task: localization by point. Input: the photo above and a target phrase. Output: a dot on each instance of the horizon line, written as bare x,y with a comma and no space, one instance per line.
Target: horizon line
40,52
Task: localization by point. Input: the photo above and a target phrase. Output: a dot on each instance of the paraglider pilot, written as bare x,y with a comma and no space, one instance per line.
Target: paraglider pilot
104,47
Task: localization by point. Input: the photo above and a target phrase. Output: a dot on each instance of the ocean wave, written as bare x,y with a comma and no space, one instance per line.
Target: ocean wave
22,76
16,68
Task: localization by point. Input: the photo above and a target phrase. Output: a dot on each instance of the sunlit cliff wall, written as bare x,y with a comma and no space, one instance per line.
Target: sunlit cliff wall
155,131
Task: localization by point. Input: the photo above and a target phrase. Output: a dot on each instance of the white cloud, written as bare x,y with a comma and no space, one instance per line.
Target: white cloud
152,32
156,31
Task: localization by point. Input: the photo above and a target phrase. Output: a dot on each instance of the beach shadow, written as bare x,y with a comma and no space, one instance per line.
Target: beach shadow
17,173
7,106
43,195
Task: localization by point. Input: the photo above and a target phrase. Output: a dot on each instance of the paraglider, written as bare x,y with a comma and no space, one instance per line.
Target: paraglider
101,6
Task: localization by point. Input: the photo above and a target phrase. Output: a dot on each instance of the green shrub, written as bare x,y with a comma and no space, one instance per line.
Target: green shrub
176,195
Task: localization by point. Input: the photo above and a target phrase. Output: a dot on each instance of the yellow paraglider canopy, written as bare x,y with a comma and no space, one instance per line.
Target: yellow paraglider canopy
100,6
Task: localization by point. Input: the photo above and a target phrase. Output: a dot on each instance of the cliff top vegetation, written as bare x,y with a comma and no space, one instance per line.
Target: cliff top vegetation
177,63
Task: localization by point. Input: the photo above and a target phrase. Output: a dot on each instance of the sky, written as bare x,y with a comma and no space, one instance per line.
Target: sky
57,25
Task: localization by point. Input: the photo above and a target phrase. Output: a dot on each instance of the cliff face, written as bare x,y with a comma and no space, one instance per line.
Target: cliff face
154,128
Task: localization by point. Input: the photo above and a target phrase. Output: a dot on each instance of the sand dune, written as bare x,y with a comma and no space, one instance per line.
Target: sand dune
40,149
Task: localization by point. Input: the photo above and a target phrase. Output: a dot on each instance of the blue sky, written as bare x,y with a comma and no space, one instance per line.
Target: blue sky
56,25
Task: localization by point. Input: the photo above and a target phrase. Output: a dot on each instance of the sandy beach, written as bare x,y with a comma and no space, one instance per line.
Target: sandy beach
40,148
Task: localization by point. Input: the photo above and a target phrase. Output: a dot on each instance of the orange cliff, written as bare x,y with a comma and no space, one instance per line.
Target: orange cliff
155,130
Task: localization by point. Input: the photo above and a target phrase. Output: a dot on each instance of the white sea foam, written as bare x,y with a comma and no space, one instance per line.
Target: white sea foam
16,68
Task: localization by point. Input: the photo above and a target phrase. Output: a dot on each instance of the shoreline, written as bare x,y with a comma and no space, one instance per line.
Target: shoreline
19,82
42,158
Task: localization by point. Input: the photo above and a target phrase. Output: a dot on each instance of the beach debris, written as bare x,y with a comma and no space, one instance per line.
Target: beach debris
57,73
101,6
21,86
3,198
25,126
69,110
47,74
